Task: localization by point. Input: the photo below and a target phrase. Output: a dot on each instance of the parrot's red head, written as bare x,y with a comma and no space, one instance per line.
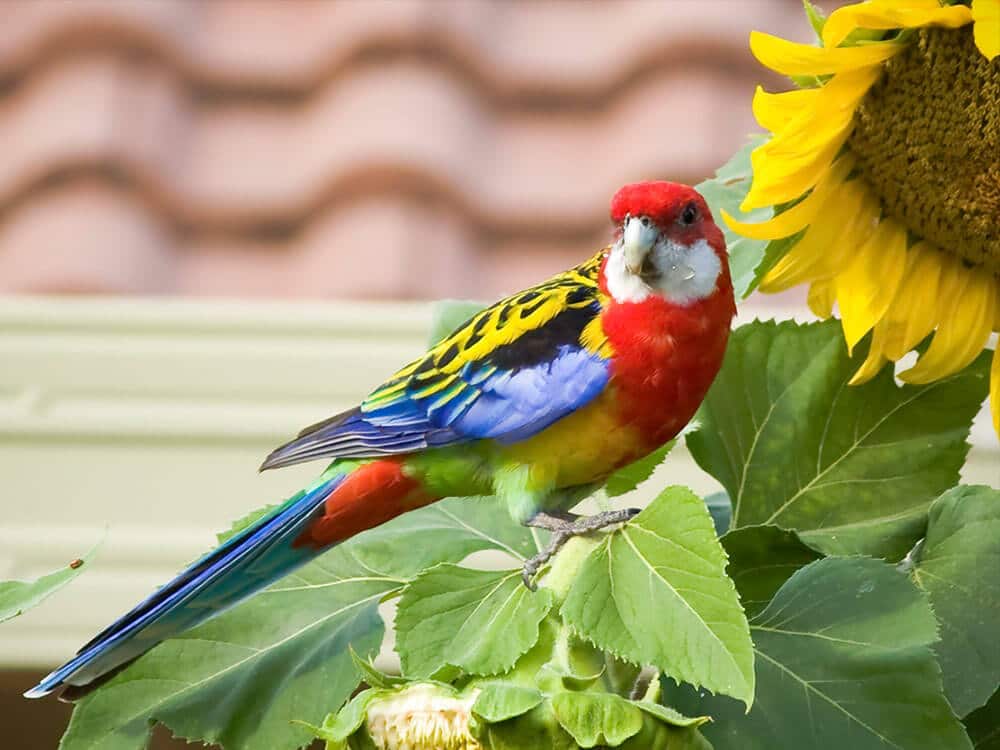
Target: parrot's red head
666,244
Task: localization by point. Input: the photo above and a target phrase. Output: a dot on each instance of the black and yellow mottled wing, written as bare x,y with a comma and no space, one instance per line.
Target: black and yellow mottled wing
505,374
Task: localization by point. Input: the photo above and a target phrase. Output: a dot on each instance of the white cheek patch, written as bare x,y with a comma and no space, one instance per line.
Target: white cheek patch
624,286
687,273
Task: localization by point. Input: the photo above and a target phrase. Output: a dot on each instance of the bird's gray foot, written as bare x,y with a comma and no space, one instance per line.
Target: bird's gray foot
565,526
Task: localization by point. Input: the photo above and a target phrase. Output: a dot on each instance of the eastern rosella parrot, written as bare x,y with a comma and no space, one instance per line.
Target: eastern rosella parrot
536,399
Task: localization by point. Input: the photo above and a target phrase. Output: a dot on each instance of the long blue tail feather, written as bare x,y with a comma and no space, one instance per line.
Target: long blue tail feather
242,565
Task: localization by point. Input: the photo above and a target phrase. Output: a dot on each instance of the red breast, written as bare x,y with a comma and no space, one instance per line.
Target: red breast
666,357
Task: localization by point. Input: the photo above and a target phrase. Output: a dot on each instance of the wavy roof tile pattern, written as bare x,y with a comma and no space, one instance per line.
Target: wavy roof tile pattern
406,149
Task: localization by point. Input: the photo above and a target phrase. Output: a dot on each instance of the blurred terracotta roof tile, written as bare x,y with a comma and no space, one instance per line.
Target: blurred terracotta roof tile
85,237
416,148
514,46
247,163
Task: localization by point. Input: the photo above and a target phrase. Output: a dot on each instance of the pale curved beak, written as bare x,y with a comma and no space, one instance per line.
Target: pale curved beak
637,241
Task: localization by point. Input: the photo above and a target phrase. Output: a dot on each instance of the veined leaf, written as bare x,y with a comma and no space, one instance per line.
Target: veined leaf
983,725
629,477
656,592
844,659
337,727
761,559
501,701
597,718
511,717
373,677
726,191
536,729
480,621
852,469
958,565
459,525
240,679
657,735
17,597
817,19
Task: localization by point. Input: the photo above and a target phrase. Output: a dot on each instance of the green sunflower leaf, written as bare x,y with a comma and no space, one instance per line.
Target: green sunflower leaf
816,18
241,679
17,597
671,716
597,718
628,478
958,565
373,677
761,559
339,726
844,659
852,469
450,530
500,701
656,592
535,730
726,191
983,725
480,621
657,735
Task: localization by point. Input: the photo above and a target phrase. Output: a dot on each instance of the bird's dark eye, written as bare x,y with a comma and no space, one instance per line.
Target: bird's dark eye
690,214
644,221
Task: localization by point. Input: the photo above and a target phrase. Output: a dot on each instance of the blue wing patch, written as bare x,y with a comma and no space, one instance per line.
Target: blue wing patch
514,405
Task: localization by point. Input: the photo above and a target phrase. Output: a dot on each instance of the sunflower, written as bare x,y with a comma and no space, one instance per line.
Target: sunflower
883,169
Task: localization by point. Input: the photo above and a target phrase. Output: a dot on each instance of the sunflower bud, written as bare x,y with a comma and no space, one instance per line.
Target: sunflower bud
421,716
418,716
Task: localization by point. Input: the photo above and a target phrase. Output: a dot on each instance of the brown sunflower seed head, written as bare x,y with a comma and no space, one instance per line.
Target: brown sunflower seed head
927,137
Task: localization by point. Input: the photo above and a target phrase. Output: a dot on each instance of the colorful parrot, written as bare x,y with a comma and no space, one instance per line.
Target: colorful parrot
536,399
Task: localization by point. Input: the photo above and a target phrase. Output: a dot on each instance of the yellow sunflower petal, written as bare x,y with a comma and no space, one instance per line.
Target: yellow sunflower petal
844,224
822,295
782,180
995,390
833,109
775,111
995,374
801,214
986,15
913,312
964,328
875,360
891,15
794,59
866,286
796,158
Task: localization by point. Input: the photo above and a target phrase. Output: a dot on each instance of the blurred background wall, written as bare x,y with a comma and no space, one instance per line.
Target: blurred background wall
218,220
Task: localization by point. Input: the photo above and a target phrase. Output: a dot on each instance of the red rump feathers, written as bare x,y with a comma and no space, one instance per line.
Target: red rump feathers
663,202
